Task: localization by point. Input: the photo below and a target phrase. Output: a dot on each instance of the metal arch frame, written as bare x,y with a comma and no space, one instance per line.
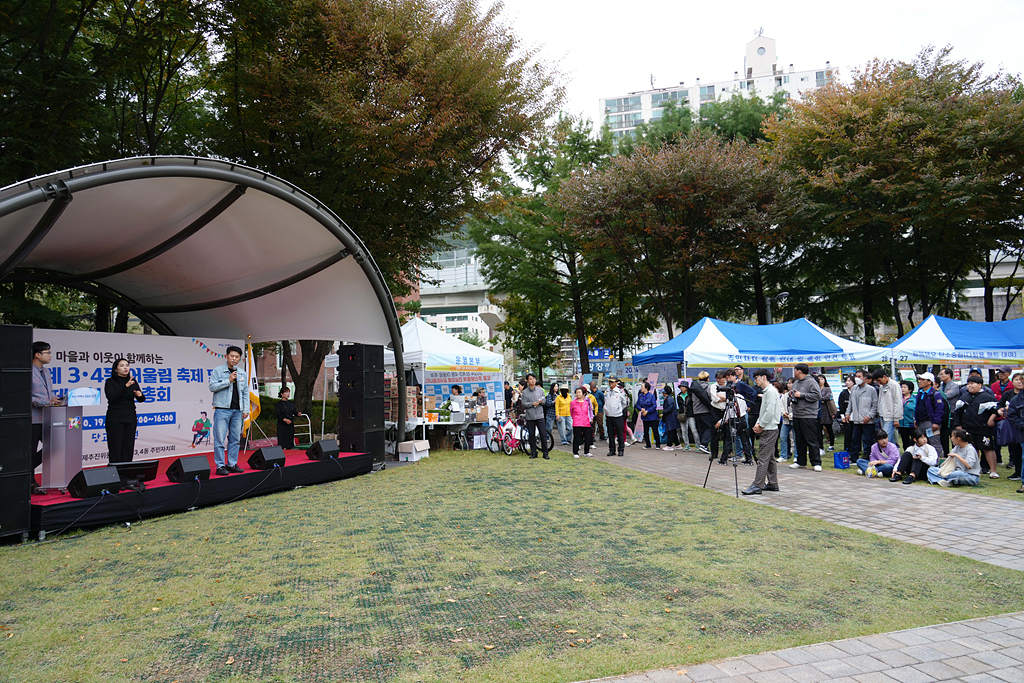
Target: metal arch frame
89,177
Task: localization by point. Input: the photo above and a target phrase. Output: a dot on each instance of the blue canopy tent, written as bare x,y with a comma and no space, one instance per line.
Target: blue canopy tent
715,343
945,340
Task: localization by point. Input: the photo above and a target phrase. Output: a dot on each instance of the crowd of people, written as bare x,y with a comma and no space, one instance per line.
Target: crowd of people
949,433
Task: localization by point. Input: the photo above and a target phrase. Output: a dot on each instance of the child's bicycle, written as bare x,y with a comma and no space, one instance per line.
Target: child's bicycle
505,436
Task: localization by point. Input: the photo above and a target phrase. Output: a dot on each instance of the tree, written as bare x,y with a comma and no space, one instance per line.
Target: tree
472,338
393,114
674,123
523,244
901,170
675,217
304,376
533,328
742,117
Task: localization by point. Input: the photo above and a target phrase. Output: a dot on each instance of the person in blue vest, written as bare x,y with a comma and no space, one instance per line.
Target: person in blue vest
647,404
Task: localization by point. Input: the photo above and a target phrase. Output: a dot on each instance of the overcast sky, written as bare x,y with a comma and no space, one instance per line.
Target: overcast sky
612,48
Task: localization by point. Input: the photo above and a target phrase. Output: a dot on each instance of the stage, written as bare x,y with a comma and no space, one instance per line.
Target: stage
54,512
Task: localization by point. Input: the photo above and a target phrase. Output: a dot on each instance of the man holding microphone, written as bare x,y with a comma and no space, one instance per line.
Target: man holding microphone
230,388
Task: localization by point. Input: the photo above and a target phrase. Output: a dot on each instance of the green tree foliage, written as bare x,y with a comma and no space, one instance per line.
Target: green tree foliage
523,243
472,338
674,123
533,326
394,114
676,218
742,117
902,169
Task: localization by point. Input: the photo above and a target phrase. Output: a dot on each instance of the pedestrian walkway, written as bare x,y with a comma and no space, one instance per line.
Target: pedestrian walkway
915,514
989,650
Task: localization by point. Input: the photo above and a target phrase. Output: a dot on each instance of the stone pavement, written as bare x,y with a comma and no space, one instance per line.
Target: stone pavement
989,650
996,534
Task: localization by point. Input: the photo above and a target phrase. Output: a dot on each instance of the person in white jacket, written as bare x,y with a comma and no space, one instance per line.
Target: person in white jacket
890,403
916,460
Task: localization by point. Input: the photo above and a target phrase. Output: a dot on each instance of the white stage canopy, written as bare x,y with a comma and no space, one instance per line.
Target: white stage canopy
198,247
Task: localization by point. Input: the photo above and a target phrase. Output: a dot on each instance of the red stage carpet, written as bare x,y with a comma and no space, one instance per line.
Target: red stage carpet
54,512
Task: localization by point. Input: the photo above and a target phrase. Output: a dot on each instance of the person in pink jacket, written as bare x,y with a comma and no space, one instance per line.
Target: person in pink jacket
582,412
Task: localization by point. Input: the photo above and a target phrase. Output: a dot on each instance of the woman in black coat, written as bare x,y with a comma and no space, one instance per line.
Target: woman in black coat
122,392
286,413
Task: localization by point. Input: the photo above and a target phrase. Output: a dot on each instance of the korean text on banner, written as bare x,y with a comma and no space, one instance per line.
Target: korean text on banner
173,373
254,388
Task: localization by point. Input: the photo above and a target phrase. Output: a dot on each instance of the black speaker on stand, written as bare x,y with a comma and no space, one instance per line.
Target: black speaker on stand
15,429
361,400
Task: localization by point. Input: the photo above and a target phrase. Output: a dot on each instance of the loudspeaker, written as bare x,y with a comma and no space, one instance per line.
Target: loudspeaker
361,358
322,450
94,481
15,347
267,458
15,443
188,468
357,385
15,508
371,442
16,391
355,415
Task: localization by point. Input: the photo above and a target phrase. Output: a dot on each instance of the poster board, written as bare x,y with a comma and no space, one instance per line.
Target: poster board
173,373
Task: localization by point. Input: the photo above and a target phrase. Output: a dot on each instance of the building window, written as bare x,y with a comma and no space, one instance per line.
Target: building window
452,318
822,77
707,93
778,82
674,95
457,330
621,104
785,79
624,120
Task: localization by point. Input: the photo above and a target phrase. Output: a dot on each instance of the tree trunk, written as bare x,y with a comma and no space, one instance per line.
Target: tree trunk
579,323
284,365
102,322
989,289
869,311
313,354
759,299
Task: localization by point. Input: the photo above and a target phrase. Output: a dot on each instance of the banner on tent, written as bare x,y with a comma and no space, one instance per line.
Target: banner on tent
173,373
992,356
439,383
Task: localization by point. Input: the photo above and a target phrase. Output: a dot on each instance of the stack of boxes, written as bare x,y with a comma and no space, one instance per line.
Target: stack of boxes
413,407
391,399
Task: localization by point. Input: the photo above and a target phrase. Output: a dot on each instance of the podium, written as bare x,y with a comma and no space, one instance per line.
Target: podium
62,445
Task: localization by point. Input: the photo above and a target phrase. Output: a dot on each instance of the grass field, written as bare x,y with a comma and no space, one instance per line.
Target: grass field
470,567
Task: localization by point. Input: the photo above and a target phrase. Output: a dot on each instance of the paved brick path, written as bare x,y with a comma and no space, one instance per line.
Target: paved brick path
987,650
996,536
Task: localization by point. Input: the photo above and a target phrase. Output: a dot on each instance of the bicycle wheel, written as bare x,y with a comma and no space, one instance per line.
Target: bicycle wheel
494,439
506,444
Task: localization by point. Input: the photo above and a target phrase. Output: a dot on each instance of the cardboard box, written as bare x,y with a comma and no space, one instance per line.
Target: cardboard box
482,414
412,451
431,402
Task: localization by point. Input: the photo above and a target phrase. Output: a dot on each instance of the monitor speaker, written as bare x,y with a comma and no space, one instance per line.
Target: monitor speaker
371,442
322,450
16,347
15,509
360,414
95,481
189,468
15,443
267,458
361,358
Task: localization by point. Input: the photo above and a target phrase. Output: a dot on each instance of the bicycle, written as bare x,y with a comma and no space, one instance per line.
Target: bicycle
504,436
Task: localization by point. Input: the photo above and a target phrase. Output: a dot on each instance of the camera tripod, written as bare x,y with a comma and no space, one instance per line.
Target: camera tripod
730,427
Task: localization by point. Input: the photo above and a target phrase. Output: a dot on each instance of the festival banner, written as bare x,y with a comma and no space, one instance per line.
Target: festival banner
173,373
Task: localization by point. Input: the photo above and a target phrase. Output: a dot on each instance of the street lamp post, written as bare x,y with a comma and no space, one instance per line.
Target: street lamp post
780,297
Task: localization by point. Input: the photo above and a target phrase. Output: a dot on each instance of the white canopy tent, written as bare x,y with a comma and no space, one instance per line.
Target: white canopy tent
428,347
198,247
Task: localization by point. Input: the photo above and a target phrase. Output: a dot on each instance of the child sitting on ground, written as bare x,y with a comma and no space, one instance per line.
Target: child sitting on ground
883,456
968,465
916,460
